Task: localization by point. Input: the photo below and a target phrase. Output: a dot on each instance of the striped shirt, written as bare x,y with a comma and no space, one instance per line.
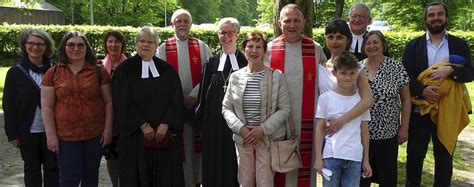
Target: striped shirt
252,98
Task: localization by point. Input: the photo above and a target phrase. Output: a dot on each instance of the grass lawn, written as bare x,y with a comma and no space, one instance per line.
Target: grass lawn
3,74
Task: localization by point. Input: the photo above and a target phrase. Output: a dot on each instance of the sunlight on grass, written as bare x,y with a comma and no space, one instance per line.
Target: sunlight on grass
3,74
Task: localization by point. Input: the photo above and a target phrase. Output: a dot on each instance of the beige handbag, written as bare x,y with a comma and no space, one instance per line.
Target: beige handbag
285,155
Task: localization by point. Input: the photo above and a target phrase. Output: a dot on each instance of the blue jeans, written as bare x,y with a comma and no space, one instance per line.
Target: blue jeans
79,162
344,172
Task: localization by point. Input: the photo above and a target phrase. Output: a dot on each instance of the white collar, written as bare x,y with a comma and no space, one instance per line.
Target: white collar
233,62
149,66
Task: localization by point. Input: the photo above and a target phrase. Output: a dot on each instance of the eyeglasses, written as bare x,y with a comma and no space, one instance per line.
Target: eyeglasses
224,33
360,16
32,44
73,45
143,42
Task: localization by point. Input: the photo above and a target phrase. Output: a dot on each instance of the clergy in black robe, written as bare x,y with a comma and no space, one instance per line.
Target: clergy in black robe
147,93
219,160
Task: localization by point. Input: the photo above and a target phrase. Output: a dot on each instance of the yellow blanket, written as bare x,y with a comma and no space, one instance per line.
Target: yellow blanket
450,113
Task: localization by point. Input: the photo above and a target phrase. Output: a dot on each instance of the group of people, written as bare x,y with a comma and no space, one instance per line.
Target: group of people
174,115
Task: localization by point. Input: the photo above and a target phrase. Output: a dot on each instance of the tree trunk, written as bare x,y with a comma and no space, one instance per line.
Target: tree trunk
339,8
306,8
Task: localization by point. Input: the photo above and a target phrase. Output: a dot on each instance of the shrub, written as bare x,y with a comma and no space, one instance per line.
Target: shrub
95,34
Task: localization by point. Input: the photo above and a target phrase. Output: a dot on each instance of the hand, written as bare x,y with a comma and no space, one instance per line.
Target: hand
148,132
53,143
244,131
367,170
161,131
335,125
255,134
15,143
430,93
106,137
402,136
319,165
189,101
441,72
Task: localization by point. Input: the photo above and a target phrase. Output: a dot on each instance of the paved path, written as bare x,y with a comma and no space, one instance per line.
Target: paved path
11,165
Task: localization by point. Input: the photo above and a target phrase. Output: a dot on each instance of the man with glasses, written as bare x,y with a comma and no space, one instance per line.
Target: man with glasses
359,18
297,56
187,55
432,48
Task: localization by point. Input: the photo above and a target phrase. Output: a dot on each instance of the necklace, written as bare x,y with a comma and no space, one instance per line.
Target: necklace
226,80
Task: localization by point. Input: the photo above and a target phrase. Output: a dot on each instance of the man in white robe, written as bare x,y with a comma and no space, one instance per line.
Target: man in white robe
187,55
298,70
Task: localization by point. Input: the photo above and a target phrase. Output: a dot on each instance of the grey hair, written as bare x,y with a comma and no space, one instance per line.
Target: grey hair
48,41
290,7
148,31
181,12
360,5
229,20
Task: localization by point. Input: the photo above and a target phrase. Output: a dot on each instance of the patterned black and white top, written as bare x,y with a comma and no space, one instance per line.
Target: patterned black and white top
386,86
251,101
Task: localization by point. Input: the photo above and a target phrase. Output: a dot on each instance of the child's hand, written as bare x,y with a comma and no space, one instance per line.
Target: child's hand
318,165
367,169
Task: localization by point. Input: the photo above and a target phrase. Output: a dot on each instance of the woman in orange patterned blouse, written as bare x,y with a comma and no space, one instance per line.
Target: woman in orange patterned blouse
77,111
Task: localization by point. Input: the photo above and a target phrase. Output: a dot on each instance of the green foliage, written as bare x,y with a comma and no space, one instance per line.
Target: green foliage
117,12
265,11
8,34
209,11
203,11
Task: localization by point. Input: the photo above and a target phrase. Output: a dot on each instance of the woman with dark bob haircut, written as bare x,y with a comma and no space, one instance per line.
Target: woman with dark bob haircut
338,40
77,111
22,110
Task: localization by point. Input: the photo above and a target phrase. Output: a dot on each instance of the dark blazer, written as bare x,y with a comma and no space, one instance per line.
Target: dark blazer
415,60
20,99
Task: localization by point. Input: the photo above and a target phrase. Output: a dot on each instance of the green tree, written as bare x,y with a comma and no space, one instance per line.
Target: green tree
116,12
203,11
265,11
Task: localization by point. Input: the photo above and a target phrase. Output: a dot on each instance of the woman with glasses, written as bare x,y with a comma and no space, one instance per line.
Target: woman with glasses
148,101
219,160
22,108
77,111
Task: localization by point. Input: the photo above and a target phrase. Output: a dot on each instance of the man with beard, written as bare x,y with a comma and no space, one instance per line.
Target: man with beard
420,53
187,55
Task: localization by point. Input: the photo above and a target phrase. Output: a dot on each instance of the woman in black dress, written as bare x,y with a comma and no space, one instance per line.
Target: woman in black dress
219,160
147,108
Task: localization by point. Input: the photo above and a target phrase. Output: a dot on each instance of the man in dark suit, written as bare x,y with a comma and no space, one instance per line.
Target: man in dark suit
432,48
359,18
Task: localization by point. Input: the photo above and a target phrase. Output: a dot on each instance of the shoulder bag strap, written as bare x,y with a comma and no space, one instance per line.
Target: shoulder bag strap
28,75
269,92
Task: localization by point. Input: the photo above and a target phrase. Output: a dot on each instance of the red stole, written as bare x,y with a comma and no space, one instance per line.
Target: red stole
195,66
309,70
194,57
277,61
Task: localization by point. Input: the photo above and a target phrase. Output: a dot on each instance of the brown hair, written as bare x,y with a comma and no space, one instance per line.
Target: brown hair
120,37
256,37
346,61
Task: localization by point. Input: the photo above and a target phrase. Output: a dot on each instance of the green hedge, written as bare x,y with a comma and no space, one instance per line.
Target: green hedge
95,34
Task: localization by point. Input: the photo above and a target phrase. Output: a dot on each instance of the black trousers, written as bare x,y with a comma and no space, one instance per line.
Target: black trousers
36,156
383,156
421,130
